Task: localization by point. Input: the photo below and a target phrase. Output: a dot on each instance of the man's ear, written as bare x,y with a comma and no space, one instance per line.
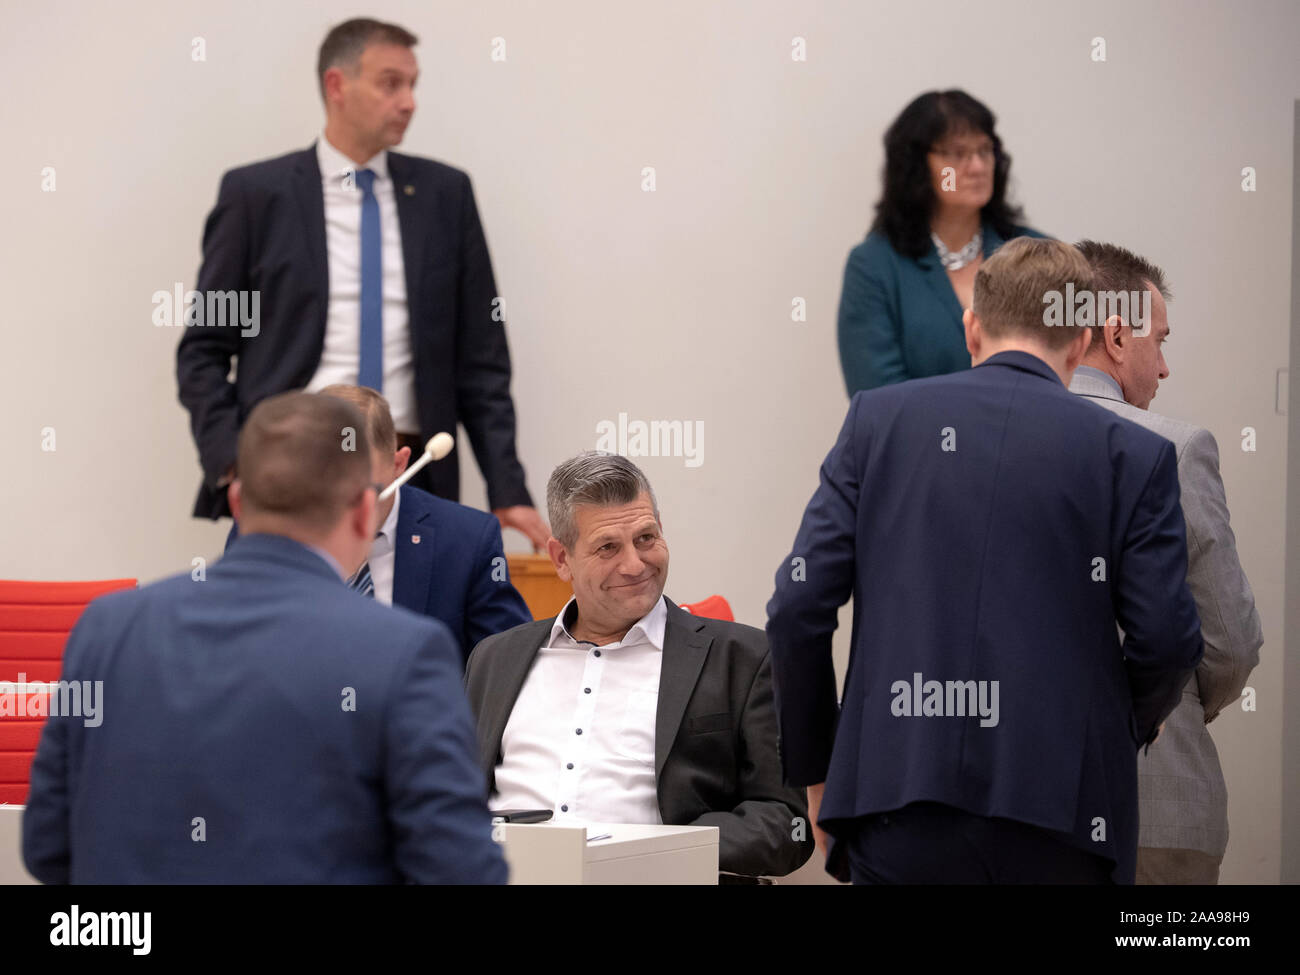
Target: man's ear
363,516
400,460
559,559
235,497
974,333
1115,338
333,85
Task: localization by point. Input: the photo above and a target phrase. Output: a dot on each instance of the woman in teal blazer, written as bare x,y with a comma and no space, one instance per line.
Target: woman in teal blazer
942,212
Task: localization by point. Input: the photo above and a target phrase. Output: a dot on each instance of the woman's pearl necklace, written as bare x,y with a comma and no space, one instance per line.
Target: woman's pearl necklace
956,260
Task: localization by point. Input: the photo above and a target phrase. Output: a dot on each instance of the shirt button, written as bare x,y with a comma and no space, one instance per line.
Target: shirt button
570,765
586,690
579,731
564,808
596,652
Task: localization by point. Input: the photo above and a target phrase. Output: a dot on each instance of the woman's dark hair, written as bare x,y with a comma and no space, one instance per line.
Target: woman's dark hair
907,199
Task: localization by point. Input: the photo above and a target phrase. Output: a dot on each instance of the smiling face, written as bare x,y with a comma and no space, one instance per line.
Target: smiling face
618,565
970,154
375,104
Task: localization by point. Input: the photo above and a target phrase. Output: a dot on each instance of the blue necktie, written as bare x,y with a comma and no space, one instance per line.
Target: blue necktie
362,582
371,370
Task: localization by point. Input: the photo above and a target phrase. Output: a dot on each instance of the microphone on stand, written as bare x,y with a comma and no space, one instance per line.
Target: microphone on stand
438,447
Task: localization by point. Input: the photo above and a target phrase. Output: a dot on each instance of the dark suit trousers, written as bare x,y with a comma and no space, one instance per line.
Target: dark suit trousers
929,843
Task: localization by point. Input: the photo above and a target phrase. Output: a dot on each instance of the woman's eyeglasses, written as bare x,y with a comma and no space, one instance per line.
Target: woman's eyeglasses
960,155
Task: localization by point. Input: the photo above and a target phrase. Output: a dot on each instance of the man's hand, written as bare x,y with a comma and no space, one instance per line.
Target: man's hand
814,808
525,519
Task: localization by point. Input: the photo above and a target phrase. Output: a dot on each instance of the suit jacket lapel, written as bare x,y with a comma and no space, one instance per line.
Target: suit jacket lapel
507,682
412,561
937,278
411,209
685,649
311,203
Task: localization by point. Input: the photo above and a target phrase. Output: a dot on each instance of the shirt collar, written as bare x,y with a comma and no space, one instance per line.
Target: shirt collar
651,624
333,164
1098,375
389,527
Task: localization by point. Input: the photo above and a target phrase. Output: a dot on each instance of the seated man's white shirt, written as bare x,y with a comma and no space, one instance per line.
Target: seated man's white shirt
383,555
581,737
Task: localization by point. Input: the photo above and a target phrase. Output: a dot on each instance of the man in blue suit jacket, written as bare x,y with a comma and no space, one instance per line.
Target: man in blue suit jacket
435,557
450,565
992,532
259,723
448,562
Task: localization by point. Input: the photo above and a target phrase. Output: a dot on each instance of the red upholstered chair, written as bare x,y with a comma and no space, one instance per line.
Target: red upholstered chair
714,608
35,620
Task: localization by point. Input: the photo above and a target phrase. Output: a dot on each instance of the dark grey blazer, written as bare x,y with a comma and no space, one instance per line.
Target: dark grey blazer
716,754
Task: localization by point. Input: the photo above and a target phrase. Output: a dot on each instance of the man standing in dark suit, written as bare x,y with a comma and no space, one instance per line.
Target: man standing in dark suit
258,722
625,708
431,556
992,529
358,265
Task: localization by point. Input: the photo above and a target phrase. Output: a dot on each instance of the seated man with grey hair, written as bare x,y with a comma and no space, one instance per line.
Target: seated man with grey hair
625,708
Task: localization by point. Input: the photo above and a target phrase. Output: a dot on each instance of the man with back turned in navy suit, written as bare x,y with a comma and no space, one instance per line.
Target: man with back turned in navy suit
993,529
368,267
259,722
431,555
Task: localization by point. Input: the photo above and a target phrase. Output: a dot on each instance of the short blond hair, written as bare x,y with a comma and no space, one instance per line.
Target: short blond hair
1012,288
298,463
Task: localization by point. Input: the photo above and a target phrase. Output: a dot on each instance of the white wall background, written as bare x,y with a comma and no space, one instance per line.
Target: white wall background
666,305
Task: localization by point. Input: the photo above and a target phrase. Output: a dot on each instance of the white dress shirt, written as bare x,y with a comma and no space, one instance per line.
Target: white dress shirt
581,737
340,360
383,555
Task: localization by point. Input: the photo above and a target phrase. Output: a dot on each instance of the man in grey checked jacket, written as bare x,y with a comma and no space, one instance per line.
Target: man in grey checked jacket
1183,803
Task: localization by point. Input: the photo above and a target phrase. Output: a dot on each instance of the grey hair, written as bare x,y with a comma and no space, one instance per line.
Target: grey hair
592,477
